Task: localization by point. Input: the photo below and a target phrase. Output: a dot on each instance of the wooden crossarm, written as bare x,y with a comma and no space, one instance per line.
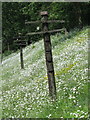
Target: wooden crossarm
44,32
19,37
42,21
21,41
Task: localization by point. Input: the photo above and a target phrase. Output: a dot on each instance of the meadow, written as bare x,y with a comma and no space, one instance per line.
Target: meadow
25,91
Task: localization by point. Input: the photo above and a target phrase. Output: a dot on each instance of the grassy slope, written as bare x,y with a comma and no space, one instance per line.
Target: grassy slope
25,92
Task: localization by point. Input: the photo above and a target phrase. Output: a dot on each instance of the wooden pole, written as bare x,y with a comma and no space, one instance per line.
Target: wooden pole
21,57
48,55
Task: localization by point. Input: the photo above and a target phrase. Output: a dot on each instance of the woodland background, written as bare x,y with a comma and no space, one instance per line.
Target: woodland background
14,15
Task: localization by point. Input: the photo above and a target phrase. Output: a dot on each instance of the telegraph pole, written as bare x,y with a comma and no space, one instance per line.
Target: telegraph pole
48,56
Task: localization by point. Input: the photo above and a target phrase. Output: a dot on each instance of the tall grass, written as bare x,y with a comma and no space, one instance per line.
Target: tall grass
25,92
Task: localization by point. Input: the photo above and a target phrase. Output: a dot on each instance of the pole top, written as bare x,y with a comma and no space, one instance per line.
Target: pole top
43,13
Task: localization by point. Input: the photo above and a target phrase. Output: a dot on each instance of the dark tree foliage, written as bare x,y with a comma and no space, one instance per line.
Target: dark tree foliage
12,23
14,14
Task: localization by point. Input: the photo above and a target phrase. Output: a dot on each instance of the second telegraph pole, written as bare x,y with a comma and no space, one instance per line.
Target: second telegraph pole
21,57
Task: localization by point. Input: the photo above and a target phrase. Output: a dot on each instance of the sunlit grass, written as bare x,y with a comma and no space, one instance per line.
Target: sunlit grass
25,92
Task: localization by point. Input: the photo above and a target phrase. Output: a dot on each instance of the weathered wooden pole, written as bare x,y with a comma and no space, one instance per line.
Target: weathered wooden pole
21,57
21,50
48,55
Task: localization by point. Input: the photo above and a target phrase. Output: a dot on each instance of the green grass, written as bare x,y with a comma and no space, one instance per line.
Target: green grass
25,92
